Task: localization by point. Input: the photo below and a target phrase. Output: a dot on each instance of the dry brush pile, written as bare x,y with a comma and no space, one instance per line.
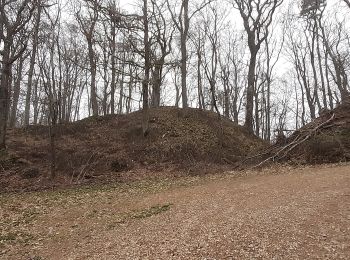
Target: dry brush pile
325,140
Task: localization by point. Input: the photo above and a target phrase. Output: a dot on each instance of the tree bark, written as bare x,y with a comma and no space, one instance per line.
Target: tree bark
199,76
113,63
4,87
16,92
157,81
145,82
250,92
93,94
183,39
184,72
32,64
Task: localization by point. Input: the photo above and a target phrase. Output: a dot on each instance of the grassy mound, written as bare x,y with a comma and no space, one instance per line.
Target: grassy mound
99,148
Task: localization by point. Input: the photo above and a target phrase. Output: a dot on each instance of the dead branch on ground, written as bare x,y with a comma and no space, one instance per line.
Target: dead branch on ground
302,137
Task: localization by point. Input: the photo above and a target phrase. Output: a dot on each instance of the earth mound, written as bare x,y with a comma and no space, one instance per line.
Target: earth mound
113,147
325,140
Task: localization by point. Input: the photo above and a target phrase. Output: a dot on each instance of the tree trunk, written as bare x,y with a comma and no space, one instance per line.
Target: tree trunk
257,117
52,133
157,81
16,92
226,100
31,67
312,59
199,79
177,95
121,91
183,39
106,83
113,63
329,90
184,72
4,87
145,82
235,97
93,94
323,85
250,92
36,105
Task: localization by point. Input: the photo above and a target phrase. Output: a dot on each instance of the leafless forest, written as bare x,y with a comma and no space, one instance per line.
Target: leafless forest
270,65
174,129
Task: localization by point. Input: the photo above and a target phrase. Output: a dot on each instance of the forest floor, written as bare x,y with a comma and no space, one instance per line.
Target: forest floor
276,213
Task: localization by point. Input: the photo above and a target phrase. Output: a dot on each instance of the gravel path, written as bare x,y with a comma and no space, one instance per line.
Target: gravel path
299,214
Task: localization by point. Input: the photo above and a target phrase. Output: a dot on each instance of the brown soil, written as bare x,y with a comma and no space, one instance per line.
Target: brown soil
297,214
113,148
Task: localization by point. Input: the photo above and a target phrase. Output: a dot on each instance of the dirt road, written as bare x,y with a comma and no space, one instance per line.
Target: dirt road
298,214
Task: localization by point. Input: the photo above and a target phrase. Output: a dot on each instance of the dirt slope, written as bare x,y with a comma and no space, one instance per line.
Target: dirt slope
113,148
297,214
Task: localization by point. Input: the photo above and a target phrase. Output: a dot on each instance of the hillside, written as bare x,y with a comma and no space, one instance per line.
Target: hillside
324,140
100,149
329,138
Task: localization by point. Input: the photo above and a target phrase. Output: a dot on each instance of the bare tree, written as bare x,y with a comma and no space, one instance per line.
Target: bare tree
182,21
213,24
161,48
87,26
32,61
257,17
147,69
16,91
332,49
72,58
14,18
198,41
49,80
113,16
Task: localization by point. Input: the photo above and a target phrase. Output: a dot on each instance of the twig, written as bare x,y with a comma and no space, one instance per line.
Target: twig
83,170
2,167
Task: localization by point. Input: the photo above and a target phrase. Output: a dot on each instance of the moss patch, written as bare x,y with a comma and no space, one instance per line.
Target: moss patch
146,213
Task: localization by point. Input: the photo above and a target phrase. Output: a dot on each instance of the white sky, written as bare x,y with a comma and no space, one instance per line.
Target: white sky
125,4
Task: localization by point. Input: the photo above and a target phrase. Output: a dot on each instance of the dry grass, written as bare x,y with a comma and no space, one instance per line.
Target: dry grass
113,149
